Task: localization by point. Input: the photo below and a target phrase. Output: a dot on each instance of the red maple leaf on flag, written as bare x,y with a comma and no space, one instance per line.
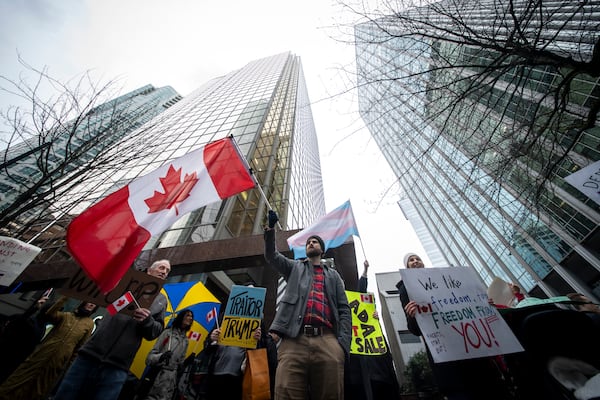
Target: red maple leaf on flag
176,191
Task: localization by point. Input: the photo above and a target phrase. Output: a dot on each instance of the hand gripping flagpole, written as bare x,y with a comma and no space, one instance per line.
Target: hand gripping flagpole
258,186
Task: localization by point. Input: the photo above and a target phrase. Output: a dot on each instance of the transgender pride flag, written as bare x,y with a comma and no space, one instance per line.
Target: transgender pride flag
334,228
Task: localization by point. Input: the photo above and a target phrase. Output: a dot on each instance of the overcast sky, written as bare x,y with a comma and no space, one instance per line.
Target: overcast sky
184,43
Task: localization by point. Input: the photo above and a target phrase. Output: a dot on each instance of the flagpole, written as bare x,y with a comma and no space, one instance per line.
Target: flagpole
264,197
262,193
216,317
134,300
362,247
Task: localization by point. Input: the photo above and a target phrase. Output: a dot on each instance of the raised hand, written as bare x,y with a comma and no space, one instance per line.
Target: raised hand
273,218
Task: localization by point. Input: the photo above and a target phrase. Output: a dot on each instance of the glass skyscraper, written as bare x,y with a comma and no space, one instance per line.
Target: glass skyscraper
265,107
443,160
49,165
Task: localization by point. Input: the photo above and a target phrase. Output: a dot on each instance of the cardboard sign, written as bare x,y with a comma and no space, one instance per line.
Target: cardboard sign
454,315
367,337
15,256
242,317
144,288
587,181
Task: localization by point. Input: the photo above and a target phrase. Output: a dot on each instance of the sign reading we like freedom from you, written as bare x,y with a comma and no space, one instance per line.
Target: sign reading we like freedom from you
242,317
454,315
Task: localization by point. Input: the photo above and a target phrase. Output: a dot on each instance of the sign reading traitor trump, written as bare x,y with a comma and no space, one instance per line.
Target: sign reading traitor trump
454,315
242,317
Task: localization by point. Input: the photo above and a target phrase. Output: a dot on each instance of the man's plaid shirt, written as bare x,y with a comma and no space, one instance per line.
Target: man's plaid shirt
318,312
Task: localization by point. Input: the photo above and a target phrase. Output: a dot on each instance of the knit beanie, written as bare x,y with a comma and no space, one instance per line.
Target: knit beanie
321,242
407,256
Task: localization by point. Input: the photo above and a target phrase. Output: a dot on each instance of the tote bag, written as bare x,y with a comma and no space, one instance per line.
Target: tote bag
256,376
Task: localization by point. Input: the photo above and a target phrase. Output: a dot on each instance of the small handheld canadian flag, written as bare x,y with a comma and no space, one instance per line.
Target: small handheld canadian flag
193,335
211,315
366,298
120,303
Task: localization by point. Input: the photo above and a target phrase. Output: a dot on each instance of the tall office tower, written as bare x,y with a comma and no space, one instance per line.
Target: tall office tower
447,149
39,173
265,107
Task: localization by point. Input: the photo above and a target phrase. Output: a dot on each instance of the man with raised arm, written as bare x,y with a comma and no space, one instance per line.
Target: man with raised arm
313,321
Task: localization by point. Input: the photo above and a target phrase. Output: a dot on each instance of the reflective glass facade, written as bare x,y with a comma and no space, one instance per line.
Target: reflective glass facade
71,152
548,249
265,106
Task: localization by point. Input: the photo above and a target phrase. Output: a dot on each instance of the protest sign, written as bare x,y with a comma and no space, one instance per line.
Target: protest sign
587,181
367,337
242,317
144,288
454,315
15,256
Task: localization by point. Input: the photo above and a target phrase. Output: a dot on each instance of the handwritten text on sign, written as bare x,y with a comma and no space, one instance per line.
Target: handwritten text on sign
242,317
587,181
15,256
367,337
454,315
144,288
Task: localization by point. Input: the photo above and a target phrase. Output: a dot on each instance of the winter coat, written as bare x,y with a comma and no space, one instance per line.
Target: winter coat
38,374
119,336
176,341
299,277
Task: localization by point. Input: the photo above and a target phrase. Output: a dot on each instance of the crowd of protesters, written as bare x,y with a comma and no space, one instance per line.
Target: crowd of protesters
307,347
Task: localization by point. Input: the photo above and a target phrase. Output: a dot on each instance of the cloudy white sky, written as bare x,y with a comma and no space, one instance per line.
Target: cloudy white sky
184,43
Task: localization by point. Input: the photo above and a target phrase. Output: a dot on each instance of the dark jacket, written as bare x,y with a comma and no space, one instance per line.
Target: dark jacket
118,338
299,277
365,371
413,327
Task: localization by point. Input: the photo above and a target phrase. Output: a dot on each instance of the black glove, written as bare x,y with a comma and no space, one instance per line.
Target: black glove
273,218
165,357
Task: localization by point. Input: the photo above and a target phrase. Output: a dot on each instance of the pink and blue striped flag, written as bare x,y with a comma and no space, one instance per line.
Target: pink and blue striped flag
334,228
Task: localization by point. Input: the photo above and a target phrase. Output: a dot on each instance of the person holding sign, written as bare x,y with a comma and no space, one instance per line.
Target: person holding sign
370,377
313,321
225,380
101,366
470,379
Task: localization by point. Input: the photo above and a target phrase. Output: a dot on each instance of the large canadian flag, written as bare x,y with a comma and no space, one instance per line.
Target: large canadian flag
106,238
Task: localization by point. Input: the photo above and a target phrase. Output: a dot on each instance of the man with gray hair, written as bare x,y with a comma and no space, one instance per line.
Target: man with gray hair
101,366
